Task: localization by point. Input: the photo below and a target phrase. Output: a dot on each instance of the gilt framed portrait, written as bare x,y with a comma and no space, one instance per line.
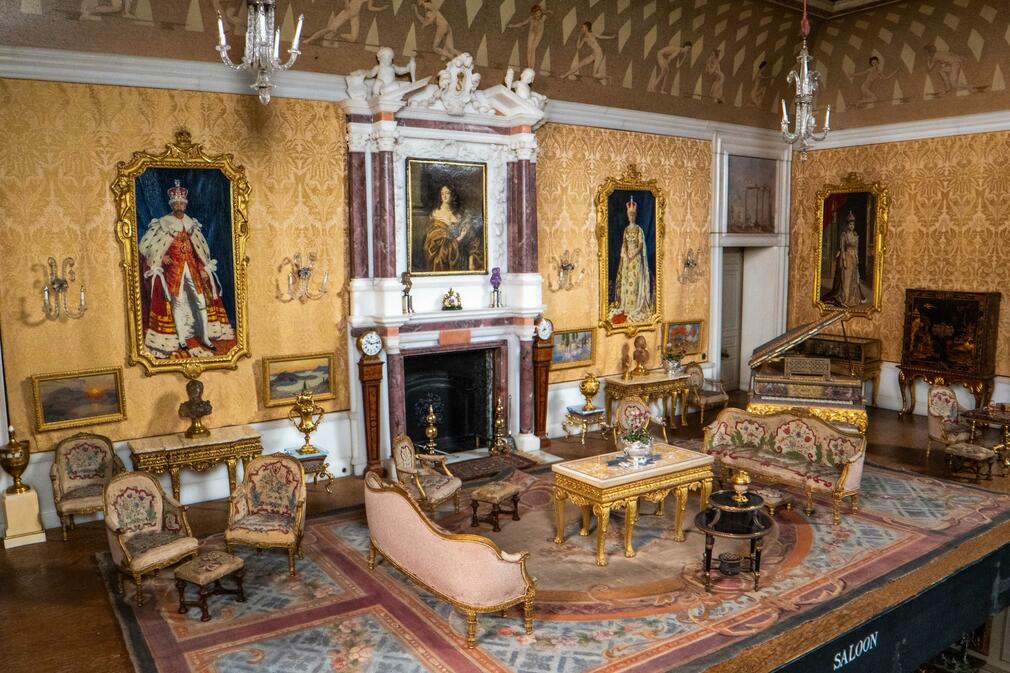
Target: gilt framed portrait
686,334
284,377
183,225
629,232
851,223
76,399
446,217
573,348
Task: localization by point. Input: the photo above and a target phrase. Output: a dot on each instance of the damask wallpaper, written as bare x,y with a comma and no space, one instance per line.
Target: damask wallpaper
948,222
55,196
573,162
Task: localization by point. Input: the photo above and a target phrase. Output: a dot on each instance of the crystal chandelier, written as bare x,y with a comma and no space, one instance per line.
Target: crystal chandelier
806,80
262,46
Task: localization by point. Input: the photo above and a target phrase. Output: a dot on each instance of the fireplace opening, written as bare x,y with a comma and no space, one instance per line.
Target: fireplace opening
459,387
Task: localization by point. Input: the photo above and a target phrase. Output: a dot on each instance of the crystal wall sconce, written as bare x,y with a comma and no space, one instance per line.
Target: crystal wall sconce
690,269
300,280
567,272
56,289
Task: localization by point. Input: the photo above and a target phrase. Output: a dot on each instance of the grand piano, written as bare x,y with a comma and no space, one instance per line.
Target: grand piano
785,379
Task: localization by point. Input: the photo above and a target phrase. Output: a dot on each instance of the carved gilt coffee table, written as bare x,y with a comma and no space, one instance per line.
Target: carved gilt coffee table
601,484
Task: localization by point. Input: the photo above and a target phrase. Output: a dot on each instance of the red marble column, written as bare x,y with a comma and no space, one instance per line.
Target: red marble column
397,402
522,216
526,386
383,216
357,214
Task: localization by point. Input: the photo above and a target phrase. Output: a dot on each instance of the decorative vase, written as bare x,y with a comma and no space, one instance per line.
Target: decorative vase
741,482
306,415
672,367
589,387
14,459
637,451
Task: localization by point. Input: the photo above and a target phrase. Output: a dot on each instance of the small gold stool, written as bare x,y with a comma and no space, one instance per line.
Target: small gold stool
577,417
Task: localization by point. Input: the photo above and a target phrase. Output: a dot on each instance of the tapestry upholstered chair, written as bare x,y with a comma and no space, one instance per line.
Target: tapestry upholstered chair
268,507
416,471
147,530
702,393
633,413
82,465
945,427
470,572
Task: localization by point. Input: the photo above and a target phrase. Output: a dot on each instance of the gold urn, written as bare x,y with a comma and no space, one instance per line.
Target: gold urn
14,459
741,482
589,386
306,415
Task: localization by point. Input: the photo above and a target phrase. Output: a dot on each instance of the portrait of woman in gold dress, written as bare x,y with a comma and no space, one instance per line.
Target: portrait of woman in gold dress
631,257
446,232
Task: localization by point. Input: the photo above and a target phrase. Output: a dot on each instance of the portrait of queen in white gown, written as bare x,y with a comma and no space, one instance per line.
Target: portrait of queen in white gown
633,293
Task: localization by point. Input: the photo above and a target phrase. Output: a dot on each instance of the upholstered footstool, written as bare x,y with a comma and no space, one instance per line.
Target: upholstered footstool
774,499
494,494
965,457
206,572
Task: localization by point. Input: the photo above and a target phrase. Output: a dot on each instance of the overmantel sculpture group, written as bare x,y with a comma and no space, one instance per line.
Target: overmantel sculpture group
455,91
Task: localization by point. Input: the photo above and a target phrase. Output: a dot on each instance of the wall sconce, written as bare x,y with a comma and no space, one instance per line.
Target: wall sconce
54,292
567,270
690,268
300,279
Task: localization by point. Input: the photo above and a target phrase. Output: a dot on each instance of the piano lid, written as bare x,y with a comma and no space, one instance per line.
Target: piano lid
793,337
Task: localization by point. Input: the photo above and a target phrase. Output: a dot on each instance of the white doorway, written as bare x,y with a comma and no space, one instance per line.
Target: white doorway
732,302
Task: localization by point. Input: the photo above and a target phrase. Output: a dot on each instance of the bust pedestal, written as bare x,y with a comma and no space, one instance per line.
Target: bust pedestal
22,519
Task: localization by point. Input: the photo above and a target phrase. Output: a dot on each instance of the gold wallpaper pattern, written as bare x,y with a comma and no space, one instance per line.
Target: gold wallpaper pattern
62,145
573,162
947,226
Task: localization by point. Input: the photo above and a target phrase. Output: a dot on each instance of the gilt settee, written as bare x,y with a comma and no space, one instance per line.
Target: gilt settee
784,448
469,572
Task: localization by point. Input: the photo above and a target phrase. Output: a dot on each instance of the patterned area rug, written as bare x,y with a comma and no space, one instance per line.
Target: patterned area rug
481,468
644,615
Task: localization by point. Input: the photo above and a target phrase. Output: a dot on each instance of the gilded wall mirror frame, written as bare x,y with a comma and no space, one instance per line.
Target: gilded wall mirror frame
851,225
182,222
630,260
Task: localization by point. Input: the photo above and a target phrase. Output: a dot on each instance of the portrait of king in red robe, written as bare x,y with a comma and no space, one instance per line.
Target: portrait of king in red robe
184,308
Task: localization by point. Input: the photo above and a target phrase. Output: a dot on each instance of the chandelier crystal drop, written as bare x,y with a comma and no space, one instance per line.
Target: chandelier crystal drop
807,80
262,46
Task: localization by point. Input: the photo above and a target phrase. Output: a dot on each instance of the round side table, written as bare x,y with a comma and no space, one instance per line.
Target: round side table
735,517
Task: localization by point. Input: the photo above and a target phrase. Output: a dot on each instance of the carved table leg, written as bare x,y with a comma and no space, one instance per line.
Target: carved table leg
173,473
902,382
559,515
678,526
630,514
602,513
231,462
706,491
586,512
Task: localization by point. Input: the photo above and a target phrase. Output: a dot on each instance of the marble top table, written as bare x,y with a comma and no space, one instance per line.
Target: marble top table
653,385
603,483
171,453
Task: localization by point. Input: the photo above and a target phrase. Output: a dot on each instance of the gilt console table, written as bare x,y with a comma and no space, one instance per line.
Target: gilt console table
171,453
654,385
601,484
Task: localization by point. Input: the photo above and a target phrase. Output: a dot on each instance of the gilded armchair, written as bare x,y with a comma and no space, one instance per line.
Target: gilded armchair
146,529
944,422
417,473
82,465
268,508
633,413
702,393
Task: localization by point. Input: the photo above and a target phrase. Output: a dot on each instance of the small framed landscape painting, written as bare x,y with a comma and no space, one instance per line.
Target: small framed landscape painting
687,334
573,348
75,399
286,376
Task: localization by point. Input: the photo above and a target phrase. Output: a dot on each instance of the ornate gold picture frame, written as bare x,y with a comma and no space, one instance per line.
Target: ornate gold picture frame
285,376
688,335
76,399
183,225
851,224
629,231
574,348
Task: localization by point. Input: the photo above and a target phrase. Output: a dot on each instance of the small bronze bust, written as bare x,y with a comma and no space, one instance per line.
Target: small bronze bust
195,408
641,356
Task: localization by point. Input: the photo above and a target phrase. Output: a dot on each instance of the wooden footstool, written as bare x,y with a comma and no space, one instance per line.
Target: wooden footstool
965,457
206,572
494,494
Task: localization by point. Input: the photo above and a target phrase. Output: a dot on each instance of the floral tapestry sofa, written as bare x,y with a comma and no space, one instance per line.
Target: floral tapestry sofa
788,449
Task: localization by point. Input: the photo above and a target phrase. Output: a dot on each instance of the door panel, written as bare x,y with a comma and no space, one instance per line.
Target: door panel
732,290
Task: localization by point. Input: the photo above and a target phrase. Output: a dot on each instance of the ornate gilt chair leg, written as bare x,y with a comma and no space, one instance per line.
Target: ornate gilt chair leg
137,579
371,556
291,560
63,525
854,502
836,513
73,524
809,510
471,628
528,613
301,555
